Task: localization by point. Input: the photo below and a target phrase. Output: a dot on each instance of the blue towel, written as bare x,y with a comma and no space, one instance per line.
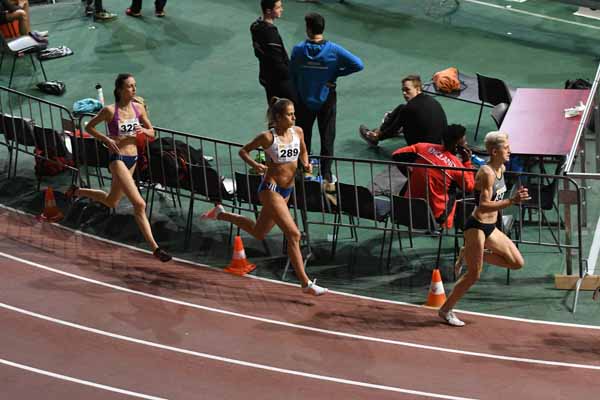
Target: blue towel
88,105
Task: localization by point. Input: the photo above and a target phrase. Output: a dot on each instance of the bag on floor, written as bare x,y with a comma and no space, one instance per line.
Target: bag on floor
447,80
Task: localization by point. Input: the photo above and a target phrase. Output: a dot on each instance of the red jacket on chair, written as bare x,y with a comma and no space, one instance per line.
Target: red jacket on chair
439,181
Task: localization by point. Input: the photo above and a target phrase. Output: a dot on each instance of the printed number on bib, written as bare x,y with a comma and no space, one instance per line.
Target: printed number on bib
288,153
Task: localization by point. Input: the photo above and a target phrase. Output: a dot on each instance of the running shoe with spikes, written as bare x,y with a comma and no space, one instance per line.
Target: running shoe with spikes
162,255
450,318
458,265
314,289
213,213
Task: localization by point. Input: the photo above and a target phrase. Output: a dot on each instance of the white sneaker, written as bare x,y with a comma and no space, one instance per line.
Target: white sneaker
458,265
314,289
213,213
450,318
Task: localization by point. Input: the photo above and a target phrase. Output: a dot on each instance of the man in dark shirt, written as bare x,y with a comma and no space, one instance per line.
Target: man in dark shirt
421,119
274,61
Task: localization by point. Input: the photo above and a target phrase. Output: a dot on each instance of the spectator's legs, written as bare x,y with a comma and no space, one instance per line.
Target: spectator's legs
136,6
305,118
159,6
326,119
98,5
392,124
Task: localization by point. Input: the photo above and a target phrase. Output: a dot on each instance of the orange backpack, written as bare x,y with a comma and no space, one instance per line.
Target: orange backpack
447,80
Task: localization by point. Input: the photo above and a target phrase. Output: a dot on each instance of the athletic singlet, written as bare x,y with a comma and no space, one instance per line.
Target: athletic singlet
498,190
123,128
280,153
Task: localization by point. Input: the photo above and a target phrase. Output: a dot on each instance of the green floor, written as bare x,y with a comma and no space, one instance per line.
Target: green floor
198,73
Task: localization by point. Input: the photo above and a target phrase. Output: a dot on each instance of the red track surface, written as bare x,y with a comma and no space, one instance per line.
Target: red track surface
191,337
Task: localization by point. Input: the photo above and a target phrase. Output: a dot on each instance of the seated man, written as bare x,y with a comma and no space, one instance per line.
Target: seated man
421,119
9,11
436,184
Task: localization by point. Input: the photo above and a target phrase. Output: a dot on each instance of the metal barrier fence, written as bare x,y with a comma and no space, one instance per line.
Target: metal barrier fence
38,128
369,194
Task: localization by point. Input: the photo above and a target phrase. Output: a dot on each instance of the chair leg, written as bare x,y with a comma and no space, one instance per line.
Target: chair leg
43,71
32,62
12,71
478,122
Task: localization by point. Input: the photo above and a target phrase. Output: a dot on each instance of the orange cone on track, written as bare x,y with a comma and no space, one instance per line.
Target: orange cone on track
51,212
436,296
239,264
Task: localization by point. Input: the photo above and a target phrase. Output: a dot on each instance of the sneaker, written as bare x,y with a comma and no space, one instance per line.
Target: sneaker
314,289
130,13
104,16
367,135
162,255
160,14
450,318
458,265
213,213
41,33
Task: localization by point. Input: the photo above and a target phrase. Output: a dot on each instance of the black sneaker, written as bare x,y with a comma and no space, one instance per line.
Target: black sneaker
365,133
162,255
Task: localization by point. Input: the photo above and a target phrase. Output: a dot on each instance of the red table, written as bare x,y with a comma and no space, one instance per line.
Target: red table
536,121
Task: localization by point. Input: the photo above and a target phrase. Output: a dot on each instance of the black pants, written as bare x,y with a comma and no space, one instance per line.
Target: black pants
391,125
283,89
136,5
305,118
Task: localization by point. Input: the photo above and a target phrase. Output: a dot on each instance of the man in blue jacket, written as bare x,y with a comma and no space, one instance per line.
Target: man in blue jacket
315,66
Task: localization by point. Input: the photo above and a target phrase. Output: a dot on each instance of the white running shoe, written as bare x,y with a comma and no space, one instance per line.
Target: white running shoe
458,265
450,318
213,213
314,289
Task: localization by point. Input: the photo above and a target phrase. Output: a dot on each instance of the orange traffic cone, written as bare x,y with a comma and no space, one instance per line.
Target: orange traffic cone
436,296
51,212
239,264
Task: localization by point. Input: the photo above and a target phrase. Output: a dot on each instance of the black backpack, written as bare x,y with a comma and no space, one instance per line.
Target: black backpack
579,83
170,162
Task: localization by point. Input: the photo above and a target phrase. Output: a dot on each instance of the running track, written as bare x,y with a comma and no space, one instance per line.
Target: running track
84,318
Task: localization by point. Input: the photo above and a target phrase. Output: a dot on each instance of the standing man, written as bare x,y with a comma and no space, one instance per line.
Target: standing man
315,66
273,60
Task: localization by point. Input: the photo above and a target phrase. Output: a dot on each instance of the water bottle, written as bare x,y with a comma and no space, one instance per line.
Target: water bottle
476,160
100,93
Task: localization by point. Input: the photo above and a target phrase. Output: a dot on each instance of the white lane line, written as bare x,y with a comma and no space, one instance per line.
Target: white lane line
351,295
305,327
515,10
79,381
230,360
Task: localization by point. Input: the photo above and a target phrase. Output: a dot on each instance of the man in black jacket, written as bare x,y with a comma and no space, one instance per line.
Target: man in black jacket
420,120
274,61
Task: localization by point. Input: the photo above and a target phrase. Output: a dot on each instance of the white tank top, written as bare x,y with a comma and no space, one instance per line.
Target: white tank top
280,153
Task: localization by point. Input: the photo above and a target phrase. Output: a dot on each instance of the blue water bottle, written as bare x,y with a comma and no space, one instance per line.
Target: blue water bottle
476,160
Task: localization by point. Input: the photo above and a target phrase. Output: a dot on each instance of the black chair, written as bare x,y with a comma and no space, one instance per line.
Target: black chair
19,137
18,47
358,202
492,91
543,198
498,113
91,154
416,215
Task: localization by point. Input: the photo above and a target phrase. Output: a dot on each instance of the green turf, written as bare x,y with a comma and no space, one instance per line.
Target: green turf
198,73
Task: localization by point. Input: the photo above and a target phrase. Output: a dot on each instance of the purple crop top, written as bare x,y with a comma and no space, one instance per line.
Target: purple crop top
123,128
